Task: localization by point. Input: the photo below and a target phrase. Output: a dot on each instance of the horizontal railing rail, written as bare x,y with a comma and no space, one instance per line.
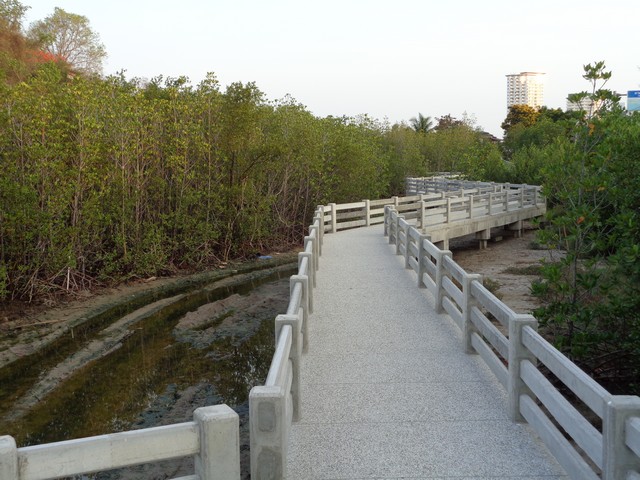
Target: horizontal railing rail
519,357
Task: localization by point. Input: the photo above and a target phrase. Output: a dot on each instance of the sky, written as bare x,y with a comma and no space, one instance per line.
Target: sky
389,59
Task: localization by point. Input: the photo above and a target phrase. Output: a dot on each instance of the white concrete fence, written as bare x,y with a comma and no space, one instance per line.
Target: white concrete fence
515,352
212,438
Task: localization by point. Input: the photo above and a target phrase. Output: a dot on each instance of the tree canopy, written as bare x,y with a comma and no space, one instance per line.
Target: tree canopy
421,123
69,37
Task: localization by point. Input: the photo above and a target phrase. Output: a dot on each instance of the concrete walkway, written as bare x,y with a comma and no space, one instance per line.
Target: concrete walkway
387,390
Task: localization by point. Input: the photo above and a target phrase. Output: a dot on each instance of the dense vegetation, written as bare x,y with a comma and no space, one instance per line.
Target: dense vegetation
105,179
589,165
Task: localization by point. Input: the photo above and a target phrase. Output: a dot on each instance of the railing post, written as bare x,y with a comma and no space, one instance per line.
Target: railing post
407,239
471,206
393,217
423,213
268,433
319,220
438,280
387,214
421,268
517,353
397,228
448,209
9,458
334,218
298,341
395,201
219,457
311,274
367,212
315,249
618,459
468,303
303,280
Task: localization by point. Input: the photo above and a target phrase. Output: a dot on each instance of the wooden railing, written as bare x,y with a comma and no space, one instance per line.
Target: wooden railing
519,357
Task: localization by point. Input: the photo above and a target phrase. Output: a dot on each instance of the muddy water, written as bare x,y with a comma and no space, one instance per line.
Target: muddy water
208,347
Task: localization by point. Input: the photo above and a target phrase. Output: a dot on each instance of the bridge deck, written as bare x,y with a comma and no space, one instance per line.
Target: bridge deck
387,390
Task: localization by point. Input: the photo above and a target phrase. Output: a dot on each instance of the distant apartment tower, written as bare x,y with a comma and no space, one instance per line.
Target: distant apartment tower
525,88
585,105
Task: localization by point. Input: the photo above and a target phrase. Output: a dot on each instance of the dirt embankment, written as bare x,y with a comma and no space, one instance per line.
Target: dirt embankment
509,266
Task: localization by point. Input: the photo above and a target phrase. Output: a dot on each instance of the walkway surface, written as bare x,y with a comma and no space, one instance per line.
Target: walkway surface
387,390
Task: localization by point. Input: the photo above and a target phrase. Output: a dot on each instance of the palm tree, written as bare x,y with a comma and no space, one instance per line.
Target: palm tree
422,123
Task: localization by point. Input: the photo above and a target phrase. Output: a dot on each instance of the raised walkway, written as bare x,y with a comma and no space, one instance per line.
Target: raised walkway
387,390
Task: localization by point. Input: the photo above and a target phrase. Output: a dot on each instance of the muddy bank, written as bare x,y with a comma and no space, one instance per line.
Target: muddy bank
150,367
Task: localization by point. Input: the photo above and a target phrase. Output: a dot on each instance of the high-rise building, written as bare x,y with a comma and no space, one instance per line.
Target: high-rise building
525,88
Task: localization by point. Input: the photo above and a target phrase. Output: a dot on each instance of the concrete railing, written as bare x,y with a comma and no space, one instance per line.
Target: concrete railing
435,208
608,448
274,405
449,183
212,438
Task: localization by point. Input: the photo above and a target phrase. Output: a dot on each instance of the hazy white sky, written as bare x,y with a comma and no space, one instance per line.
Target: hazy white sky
390,59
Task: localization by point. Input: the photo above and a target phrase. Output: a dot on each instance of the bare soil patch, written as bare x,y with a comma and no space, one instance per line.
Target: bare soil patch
510,264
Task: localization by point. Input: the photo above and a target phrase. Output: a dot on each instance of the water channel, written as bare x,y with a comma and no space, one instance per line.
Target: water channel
202,347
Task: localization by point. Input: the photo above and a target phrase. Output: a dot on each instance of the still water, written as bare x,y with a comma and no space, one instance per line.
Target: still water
138,384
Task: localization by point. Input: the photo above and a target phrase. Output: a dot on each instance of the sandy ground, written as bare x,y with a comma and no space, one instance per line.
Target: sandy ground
508,262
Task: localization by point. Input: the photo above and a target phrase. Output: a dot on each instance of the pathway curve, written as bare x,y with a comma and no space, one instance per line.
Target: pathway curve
387,390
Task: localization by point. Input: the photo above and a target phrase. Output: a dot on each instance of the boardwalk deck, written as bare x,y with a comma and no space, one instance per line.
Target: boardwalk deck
387,390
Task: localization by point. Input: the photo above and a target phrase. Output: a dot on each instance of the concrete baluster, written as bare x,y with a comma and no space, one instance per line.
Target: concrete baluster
396,229
268,430
315,248
423,213
298,342
407,254
320,214
387,214
618,459
311,274
468,302
334,218
395,201
393,216
448,209
367,212
8,458
303,280
421,254
517,353
219,457
470,206
440,272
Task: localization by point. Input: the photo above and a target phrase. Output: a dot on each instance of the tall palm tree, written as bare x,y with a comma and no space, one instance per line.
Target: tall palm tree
422,123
